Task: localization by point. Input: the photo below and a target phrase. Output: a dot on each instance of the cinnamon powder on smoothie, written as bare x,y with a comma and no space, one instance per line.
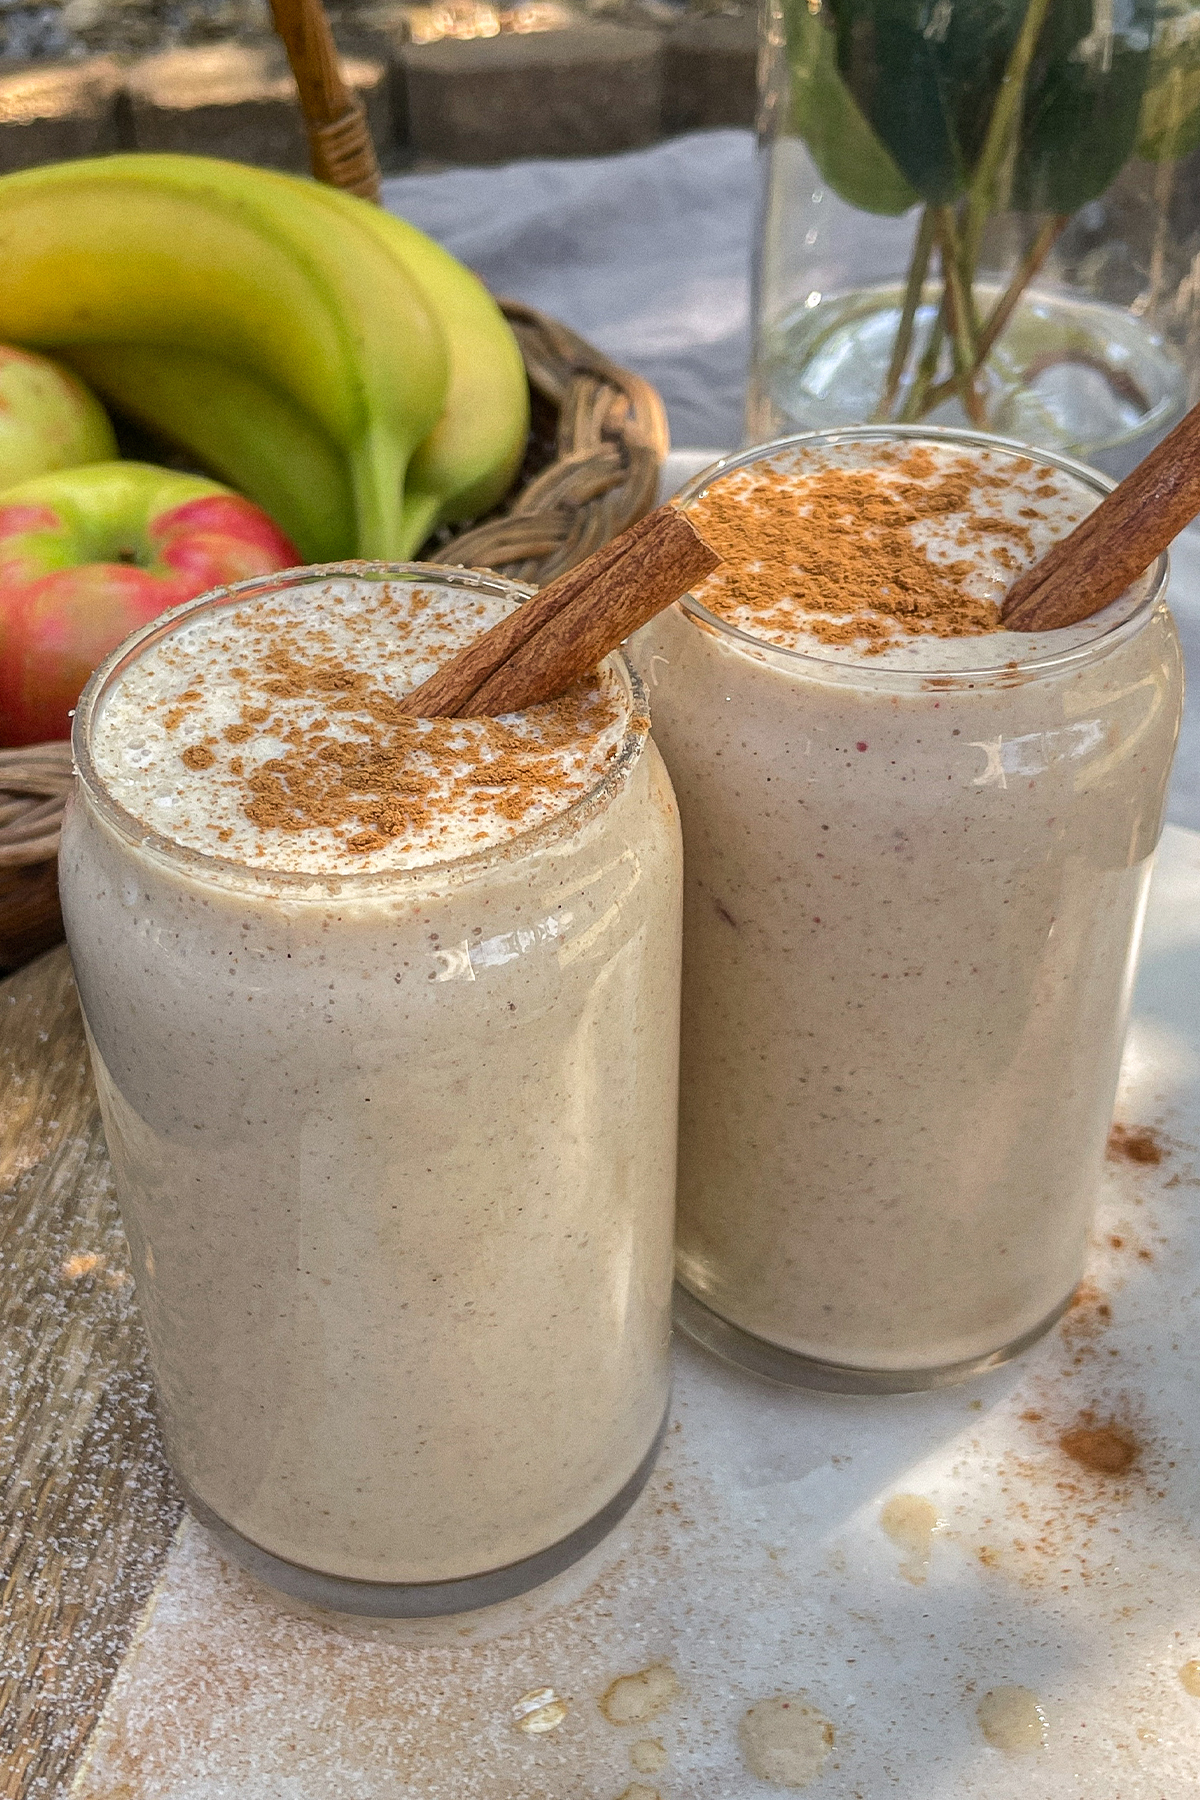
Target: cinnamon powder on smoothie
388,781
300,739
844,553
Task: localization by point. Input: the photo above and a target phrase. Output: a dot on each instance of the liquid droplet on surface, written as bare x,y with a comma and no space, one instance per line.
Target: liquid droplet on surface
648,1756
1190,1676
1012,1720
910,1521
538,1711
785,1740
632,1699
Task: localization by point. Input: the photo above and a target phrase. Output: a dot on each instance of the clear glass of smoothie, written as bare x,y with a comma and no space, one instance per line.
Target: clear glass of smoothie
383,1014
917,850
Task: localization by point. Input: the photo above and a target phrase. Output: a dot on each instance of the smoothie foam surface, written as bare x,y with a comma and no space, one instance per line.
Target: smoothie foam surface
268,732
893,556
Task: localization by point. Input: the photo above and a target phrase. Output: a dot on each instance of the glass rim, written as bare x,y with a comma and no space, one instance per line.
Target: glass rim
860,672
306,884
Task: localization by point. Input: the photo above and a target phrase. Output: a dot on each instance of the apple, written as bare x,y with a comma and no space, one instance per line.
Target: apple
87,555
48,419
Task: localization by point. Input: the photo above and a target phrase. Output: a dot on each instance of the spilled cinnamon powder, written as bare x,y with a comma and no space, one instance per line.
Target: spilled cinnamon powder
840,552
1135,1144
1106,1449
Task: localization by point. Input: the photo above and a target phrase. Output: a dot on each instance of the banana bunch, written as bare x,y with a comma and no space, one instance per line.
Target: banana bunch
332,363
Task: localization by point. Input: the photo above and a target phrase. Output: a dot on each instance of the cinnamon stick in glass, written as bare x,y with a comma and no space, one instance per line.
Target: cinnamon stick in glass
537,651
1117,542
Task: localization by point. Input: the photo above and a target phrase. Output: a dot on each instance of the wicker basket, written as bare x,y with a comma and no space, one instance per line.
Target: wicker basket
596,444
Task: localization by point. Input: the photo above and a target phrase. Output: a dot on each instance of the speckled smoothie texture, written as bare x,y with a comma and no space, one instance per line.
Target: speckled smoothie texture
394,1141
915,872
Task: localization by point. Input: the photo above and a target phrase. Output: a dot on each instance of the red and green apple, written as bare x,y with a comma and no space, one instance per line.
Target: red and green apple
48,419
87,555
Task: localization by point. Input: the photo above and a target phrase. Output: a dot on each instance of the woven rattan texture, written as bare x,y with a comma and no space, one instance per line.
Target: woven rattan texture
34,784
88,1508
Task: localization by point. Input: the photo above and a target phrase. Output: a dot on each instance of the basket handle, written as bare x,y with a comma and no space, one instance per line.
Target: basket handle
339,140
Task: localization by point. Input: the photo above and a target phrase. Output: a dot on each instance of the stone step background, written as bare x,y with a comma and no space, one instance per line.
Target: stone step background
453,83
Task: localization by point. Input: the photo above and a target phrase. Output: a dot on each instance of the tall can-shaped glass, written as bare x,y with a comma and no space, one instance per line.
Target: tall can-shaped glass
383,1015
917,849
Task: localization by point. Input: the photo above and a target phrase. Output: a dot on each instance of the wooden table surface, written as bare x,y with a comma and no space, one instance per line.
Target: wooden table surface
88,1508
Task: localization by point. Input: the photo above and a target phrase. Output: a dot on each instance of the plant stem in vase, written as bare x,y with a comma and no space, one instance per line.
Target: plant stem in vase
987,152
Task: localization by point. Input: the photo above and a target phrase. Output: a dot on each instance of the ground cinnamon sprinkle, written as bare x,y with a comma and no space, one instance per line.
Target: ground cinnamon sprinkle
348,761
197,756
1135,1144
833,550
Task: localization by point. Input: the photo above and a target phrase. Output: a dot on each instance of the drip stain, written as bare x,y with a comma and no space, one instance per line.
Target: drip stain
1011,1719
635,1699
539,1711
910,1521
786,1740
648,1756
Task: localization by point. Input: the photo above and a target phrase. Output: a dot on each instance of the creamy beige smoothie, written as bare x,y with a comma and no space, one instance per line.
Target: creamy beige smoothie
383,1016
916,855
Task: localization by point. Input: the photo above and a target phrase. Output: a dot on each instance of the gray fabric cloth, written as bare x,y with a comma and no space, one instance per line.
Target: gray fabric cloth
648,256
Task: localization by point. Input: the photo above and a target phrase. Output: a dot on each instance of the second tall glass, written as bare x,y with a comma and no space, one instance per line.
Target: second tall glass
913,895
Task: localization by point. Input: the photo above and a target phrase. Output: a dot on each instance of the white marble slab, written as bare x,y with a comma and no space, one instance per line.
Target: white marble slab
757,1566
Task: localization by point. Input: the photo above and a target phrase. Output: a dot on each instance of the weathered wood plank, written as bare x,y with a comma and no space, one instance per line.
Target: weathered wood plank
87,1505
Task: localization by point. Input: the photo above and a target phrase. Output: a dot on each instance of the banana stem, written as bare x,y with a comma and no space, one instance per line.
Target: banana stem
421,512
918,269
378,467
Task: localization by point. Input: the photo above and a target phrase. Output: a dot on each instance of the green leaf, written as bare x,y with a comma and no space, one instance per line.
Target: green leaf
1169,122
1083,97
823,113
925,74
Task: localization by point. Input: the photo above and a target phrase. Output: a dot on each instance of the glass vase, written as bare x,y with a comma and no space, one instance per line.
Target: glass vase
981,213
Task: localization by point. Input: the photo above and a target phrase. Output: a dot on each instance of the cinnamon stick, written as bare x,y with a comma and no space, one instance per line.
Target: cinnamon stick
1117,542
448,691
537,651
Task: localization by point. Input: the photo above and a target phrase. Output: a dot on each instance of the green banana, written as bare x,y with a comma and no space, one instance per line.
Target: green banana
231,262
250,437
248,433
468,461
